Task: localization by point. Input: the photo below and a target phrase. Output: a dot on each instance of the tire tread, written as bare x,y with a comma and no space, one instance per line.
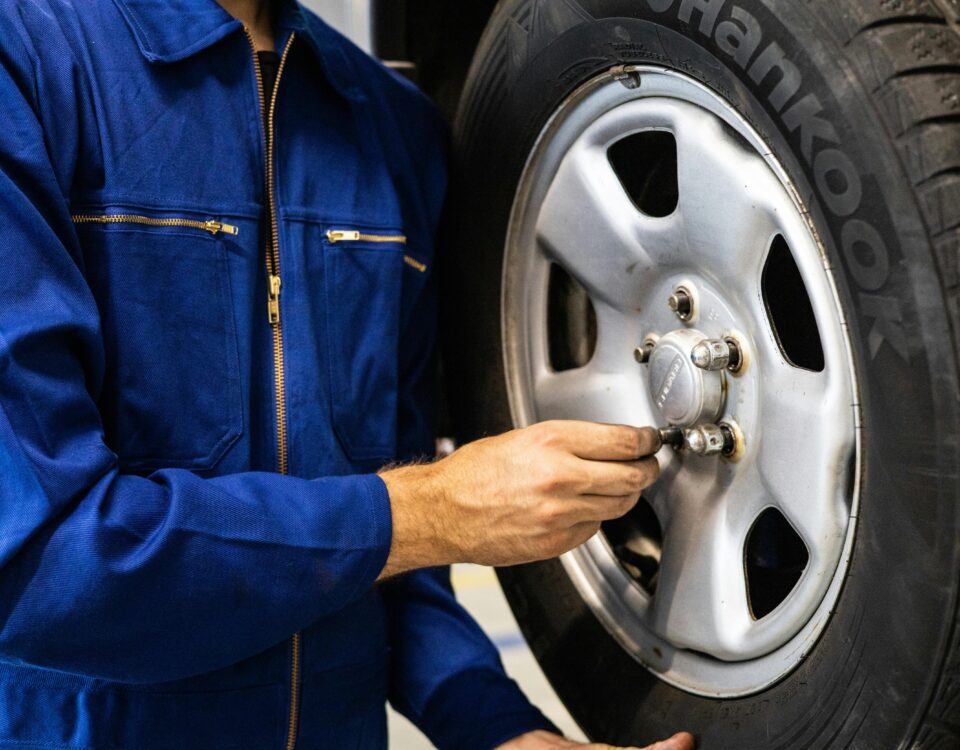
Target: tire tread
908,55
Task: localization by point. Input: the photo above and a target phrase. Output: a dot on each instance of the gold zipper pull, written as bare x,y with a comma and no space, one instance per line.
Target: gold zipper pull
273,301
414,263
342,235
215,227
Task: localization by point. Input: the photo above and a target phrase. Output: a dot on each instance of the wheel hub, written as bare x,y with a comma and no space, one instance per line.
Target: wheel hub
685,394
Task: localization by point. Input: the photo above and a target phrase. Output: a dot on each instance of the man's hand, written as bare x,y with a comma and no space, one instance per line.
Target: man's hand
526,495
548,741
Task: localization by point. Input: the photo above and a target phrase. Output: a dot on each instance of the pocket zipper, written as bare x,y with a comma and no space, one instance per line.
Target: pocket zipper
214,227
351,235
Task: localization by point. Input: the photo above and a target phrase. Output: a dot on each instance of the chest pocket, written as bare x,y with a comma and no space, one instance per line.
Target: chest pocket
364,272
171,395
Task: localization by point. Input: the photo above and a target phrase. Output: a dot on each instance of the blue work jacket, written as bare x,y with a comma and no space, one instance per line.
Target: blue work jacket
211,337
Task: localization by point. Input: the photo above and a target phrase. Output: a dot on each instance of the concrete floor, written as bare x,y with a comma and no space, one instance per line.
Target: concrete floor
478,591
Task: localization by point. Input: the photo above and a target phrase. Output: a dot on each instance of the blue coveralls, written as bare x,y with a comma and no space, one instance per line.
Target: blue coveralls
186,315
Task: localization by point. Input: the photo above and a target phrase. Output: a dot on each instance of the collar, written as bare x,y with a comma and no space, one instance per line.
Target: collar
170,30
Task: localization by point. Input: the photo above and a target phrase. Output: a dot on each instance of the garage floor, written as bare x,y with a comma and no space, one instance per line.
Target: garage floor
477,589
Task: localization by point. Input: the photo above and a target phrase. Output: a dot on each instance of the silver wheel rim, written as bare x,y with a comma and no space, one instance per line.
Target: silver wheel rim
801,428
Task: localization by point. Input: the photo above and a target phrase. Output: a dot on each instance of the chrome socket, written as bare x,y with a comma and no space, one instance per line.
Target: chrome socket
703,440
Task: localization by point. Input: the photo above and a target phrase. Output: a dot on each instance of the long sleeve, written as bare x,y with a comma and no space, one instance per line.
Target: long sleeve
446,675
123,577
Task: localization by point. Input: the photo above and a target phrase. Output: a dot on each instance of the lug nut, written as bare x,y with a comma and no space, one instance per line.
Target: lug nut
642,353
681,303
711,354
717,354
705,440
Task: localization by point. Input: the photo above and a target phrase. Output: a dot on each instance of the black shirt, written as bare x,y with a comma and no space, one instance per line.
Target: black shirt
269,65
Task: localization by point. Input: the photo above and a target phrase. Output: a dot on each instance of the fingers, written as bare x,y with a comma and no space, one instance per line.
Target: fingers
560,543
602,442
680,741
575,521
619,478
599,508
648,440
580,534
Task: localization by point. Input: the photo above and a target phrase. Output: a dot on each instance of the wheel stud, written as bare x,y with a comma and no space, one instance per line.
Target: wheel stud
681,302
730,440
717,354
642,353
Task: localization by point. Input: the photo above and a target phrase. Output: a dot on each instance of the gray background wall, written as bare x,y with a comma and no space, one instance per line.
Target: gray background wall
352,17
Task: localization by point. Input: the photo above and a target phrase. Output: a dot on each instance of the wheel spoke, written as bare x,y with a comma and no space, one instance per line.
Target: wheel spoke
802,427
701,597
729,200
589,226
617,337
589,394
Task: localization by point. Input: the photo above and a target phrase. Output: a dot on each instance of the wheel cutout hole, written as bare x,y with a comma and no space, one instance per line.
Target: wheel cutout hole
789,309
775,558
646,164
571,322
637,540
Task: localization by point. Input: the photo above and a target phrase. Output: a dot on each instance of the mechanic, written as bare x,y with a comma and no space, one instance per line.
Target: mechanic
218,318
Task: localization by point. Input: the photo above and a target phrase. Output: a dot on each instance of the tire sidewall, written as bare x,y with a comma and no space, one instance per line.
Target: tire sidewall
866,681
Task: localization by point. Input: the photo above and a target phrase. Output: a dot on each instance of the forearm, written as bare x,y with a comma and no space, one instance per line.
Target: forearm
423,533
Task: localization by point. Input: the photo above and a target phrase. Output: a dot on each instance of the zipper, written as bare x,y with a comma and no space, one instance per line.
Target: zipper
273,317
214,227
415,264
352,235
273,302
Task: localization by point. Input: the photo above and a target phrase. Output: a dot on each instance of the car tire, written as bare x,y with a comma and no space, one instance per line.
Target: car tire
869,133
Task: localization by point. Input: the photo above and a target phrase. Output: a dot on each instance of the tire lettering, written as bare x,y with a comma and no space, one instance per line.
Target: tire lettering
843,201
866,254
804,115
739,36
709,11
739,41
887,323
660,6
774,58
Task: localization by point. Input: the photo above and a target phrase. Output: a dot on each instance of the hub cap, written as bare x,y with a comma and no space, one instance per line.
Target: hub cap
686,589
683,393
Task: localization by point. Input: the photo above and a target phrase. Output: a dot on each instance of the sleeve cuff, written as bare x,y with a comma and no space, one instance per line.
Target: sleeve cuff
479,709
381,516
